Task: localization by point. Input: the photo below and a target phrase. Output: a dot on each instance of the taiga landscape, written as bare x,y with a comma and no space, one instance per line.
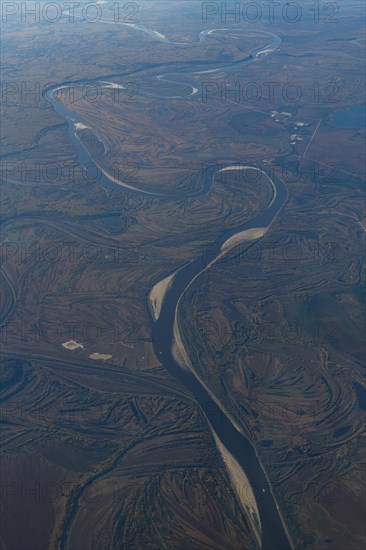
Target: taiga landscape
182,275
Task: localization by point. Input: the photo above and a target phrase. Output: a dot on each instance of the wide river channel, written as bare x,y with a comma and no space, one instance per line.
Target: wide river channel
273,532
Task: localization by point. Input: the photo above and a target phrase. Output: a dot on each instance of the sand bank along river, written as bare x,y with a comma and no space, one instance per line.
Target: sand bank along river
246,473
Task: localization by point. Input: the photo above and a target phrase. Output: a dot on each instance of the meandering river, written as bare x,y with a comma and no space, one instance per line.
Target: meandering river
268,527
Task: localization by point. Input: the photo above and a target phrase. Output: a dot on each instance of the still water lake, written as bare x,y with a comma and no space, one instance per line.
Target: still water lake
354,117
